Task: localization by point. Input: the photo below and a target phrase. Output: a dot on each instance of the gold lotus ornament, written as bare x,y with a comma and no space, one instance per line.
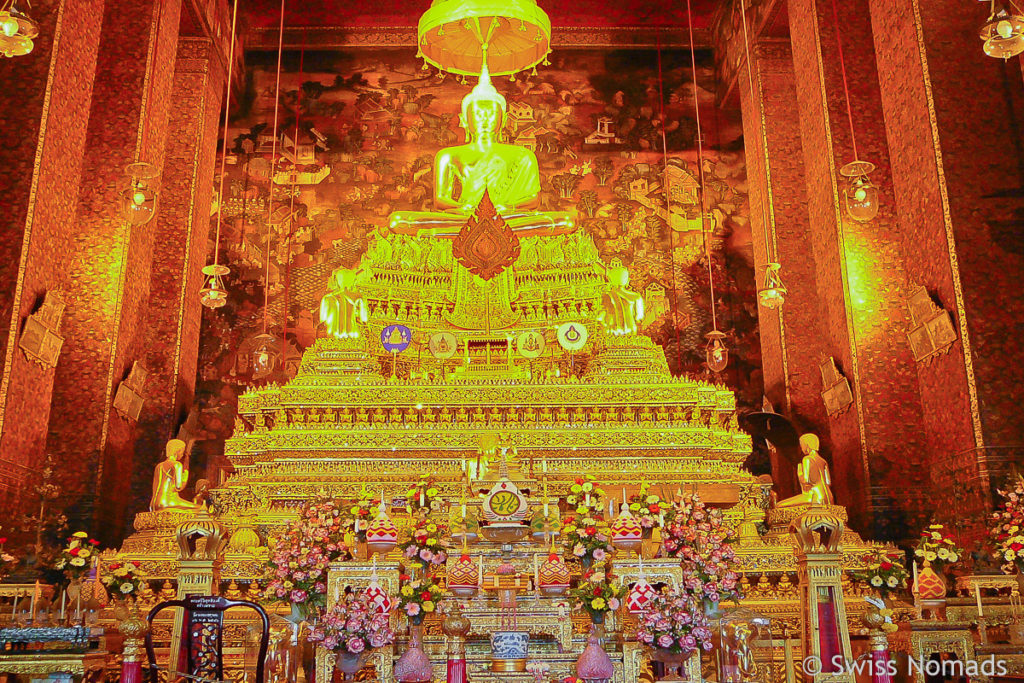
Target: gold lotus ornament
486,245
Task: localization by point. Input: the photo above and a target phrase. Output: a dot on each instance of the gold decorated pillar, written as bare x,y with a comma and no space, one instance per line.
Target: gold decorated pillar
45,113
824,632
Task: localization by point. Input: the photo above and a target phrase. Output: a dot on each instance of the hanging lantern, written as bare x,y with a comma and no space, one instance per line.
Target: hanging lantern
16,31
1003,31
773,294
264,354
213,294
138,198
860,193
716,353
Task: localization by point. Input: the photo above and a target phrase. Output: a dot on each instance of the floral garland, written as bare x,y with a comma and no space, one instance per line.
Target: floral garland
418,597
937,547
597,593
124,580
650,509
699,536
675,623
75,558
352,626
297,567
428,545
884,573
1007,532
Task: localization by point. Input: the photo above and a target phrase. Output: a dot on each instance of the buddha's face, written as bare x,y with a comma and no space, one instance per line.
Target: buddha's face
483,118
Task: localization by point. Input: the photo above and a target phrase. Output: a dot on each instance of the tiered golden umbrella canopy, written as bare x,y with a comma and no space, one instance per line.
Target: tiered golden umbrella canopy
457,35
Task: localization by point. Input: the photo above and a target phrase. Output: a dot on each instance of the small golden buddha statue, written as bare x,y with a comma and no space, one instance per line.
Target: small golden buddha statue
814,477
445,415
362,417
509,174
622,309
494,415
343,309
562,415
461,416
169,478
412,416
545,415
395,415
530,416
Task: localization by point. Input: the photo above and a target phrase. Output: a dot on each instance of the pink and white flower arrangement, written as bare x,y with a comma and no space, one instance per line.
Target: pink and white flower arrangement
428,545
299,559
352,626
418,597
597,593
674,623
702,540
1007,532
586,536
650,509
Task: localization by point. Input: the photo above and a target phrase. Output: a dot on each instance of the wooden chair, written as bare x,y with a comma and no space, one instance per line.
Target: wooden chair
203,637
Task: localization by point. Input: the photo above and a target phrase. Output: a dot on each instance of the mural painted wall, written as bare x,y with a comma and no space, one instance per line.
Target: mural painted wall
357,134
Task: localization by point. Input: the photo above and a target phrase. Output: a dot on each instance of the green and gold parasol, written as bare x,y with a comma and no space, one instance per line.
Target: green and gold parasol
458,35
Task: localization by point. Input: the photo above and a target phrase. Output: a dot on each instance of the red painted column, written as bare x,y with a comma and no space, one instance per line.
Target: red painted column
792,338
953,117
108,281
179,252
880,443
44,109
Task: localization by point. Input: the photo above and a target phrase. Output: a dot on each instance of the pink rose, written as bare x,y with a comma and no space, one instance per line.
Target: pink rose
665,641
355,645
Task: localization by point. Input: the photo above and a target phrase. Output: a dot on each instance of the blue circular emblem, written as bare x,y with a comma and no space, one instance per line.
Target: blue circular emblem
395,338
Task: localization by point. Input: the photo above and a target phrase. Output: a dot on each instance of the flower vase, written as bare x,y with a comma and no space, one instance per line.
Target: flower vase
307,650
675,663
594,665
414,665
586,562
712,610
349,664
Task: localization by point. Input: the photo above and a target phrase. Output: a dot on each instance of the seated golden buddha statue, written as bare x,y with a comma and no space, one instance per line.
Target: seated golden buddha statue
509,174
814,477
343,308
622,309
169,479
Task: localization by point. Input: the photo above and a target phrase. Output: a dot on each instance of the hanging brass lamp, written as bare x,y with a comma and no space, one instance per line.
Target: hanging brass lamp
1003,31
17,30
456,35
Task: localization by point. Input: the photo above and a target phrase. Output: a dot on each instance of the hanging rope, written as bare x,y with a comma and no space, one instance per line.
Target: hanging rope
273,167
668,210
700,166
765,216
846,86
227,114
291,208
